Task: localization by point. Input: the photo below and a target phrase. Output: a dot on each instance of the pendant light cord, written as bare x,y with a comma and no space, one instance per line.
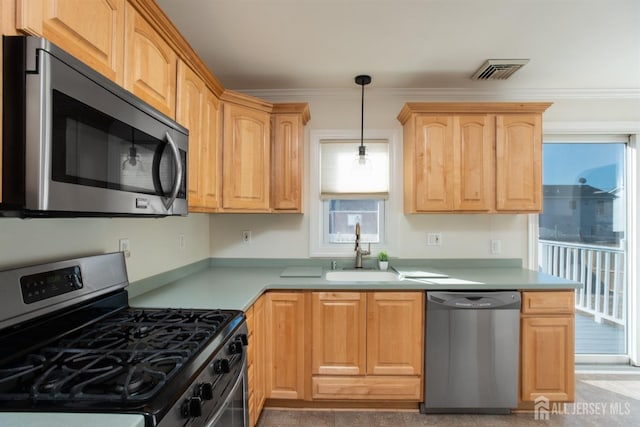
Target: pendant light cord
362,118
362,80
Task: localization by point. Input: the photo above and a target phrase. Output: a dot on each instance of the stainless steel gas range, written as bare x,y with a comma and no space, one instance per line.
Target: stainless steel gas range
70,343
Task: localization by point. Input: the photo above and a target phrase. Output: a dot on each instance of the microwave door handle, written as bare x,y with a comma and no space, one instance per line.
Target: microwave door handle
178,163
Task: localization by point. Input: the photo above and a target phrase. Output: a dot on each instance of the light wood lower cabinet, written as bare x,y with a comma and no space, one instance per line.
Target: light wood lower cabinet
255,359
339,334
547,349
285,347
367,345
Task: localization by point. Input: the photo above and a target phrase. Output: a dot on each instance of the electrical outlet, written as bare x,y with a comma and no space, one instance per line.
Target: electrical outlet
124,247
434,239
246,236
182,243
496,246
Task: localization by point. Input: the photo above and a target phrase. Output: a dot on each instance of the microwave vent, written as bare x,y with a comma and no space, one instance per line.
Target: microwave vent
498,69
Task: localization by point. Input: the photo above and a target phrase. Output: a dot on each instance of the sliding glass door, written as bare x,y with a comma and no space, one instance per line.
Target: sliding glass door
583,234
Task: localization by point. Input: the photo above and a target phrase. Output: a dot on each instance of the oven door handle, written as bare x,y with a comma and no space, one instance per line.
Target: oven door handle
178,163
239,383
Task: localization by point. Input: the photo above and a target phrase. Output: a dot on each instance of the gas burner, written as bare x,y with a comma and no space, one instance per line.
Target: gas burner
100,356
170,316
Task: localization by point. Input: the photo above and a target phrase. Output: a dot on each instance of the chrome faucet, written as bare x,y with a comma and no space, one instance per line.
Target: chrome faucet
359,251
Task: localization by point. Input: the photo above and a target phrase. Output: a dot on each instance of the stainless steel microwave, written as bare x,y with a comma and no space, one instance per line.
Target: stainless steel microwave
77,144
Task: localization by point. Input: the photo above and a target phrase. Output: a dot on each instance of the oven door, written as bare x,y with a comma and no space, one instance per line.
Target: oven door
235,411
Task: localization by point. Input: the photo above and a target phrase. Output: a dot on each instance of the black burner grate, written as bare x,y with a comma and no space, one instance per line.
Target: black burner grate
126,357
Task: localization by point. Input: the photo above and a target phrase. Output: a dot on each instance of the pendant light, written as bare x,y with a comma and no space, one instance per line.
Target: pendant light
362,80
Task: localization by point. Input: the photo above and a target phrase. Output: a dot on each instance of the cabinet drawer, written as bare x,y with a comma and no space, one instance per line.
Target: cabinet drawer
548,302
367,388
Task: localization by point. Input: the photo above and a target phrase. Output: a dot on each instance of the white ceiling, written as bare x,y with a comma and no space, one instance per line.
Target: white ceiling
321,44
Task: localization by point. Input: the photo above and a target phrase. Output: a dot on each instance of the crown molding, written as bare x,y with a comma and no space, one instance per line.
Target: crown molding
453,94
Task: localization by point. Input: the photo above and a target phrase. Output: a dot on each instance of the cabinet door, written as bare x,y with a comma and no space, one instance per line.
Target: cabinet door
338,338
285,349
519,162
198,110
90,30
149,64
395,333
246,159
250,368
255,359
473,162
191,90
210,177
433,160
287,156
260,331
547,358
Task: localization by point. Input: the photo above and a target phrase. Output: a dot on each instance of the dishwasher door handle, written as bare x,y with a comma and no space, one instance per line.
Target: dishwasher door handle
499,300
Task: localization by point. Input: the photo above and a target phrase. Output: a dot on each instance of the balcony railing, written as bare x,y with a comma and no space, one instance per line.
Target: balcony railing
600,269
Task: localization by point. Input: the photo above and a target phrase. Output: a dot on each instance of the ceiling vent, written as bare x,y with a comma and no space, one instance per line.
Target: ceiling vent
498,69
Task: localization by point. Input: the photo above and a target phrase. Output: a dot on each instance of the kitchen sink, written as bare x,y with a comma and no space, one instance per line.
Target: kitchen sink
362,276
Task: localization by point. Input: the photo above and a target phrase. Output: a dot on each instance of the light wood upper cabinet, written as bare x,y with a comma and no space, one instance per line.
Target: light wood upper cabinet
547,353
519,162
91,30
430,173
285,349
448,161
246,158
149,64
198,110
473,160
287,156
472,157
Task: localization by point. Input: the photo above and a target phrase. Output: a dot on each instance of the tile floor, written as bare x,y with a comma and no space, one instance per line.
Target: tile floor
594,406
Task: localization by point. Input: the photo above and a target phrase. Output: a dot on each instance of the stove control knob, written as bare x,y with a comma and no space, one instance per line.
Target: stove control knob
221,366
192,407
242,338
235,347
205,391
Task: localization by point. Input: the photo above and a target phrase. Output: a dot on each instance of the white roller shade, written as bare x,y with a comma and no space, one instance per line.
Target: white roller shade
341,175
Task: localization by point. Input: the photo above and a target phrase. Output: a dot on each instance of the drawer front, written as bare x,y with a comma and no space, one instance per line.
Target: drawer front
367,388
562,302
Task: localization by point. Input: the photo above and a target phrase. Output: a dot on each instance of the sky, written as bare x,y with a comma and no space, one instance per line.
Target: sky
600,164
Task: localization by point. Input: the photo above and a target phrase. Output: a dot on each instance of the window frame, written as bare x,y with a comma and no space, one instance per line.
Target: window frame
318,246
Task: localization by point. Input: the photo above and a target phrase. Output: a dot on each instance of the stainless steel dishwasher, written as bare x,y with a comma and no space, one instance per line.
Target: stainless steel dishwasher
471,352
